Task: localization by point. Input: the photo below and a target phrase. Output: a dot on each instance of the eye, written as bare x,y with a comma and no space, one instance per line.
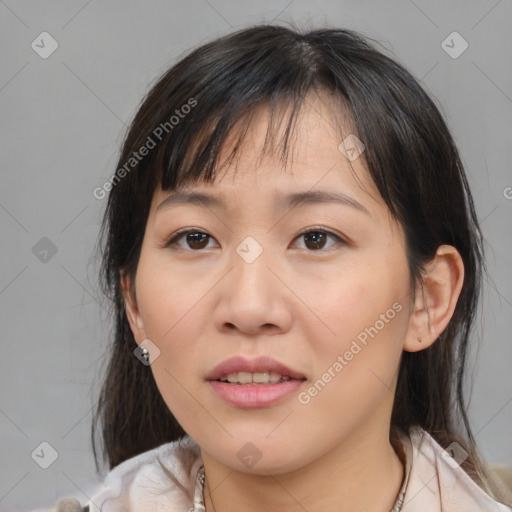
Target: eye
195,239
315,239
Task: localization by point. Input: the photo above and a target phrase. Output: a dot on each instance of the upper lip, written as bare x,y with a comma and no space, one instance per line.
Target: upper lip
258,365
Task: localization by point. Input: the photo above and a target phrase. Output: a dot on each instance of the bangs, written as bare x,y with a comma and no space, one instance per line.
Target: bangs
272,69
224,134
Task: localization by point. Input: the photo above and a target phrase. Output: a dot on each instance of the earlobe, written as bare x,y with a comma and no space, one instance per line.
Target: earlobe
132,311
435,299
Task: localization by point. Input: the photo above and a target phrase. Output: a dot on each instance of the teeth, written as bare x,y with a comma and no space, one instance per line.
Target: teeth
244,377
254,378
232,377
260,378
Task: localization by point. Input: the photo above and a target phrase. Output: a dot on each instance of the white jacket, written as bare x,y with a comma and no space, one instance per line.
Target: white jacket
168,478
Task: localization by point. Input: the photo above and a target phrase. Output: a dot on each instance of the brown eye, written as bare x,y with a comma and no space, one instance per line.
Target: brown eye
315,239
195,240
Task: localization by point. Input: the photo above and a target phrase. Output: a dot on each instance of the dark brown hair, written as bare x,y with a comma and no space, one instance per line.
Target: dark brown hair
409,154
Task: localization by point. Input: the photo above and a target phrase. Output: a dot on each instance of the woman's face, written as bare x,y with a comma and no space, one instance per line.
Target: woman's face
331,306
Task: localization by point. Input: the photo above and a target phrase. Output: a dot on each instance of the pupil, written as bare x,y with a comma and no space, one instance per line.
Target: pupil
317,238
192,239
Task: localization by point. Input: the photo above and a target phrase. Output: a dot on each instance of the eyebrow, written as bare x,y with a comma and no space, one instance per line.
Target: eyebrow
282,201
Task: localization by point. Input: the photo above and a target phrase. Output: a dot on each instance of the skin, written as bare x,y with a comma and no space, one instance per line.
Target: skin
203,303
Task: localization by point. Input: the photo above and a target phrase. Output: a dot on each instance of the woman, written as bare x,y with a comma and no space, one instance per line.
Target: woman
294,261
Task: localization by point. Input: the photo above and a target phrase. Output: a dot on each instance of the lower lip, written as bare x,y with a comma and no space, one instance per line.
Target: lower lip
246,396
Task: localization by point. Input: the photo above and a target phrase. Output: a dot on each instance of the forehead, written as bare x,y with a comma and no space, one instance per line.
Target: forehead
323,147
324,157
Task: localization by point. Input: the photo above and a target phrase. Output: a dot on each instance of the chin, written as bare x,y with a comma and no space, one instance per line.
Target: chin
259,456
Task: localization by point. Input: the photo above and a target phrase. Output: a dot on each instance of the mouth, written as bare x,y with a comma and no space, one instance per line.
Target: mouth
259,378
248,384
262,370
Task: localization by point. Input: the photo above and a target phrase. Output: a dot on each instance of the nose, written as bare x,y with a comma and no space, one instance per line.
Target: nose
253,298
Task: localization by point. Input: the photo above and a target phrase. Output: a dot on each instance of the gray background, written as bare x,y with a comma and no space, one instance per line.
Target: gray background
63,120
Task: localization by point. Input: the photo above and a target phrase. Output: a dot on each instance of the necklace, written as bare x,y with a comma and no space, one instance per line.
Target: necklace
199,492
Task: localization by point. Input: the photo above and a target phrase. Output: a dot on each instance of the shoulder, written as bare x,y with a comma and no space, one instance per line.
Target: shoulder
438,483
66,505
162,476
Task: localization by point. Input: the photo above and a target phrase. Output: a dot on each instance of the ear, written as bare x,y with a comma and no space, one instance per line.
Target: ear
132,311
435,299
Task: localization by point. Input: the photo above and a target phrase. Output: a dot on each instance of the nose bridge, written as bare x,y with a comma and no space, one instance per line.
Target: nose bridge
251,298
251,274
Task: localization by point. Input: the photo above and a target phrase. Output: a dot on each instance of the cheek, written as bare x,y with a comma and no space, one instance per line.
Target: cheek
364,314
362,297
168,301
355,371
172,311
367,343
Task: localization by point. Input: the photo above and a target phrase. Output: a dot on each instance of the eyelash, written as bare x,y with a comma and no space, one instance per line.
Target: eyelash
180,234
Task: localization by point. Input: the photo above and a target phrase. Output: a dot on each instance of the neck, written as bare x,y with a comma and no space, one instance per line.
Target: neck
362,472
